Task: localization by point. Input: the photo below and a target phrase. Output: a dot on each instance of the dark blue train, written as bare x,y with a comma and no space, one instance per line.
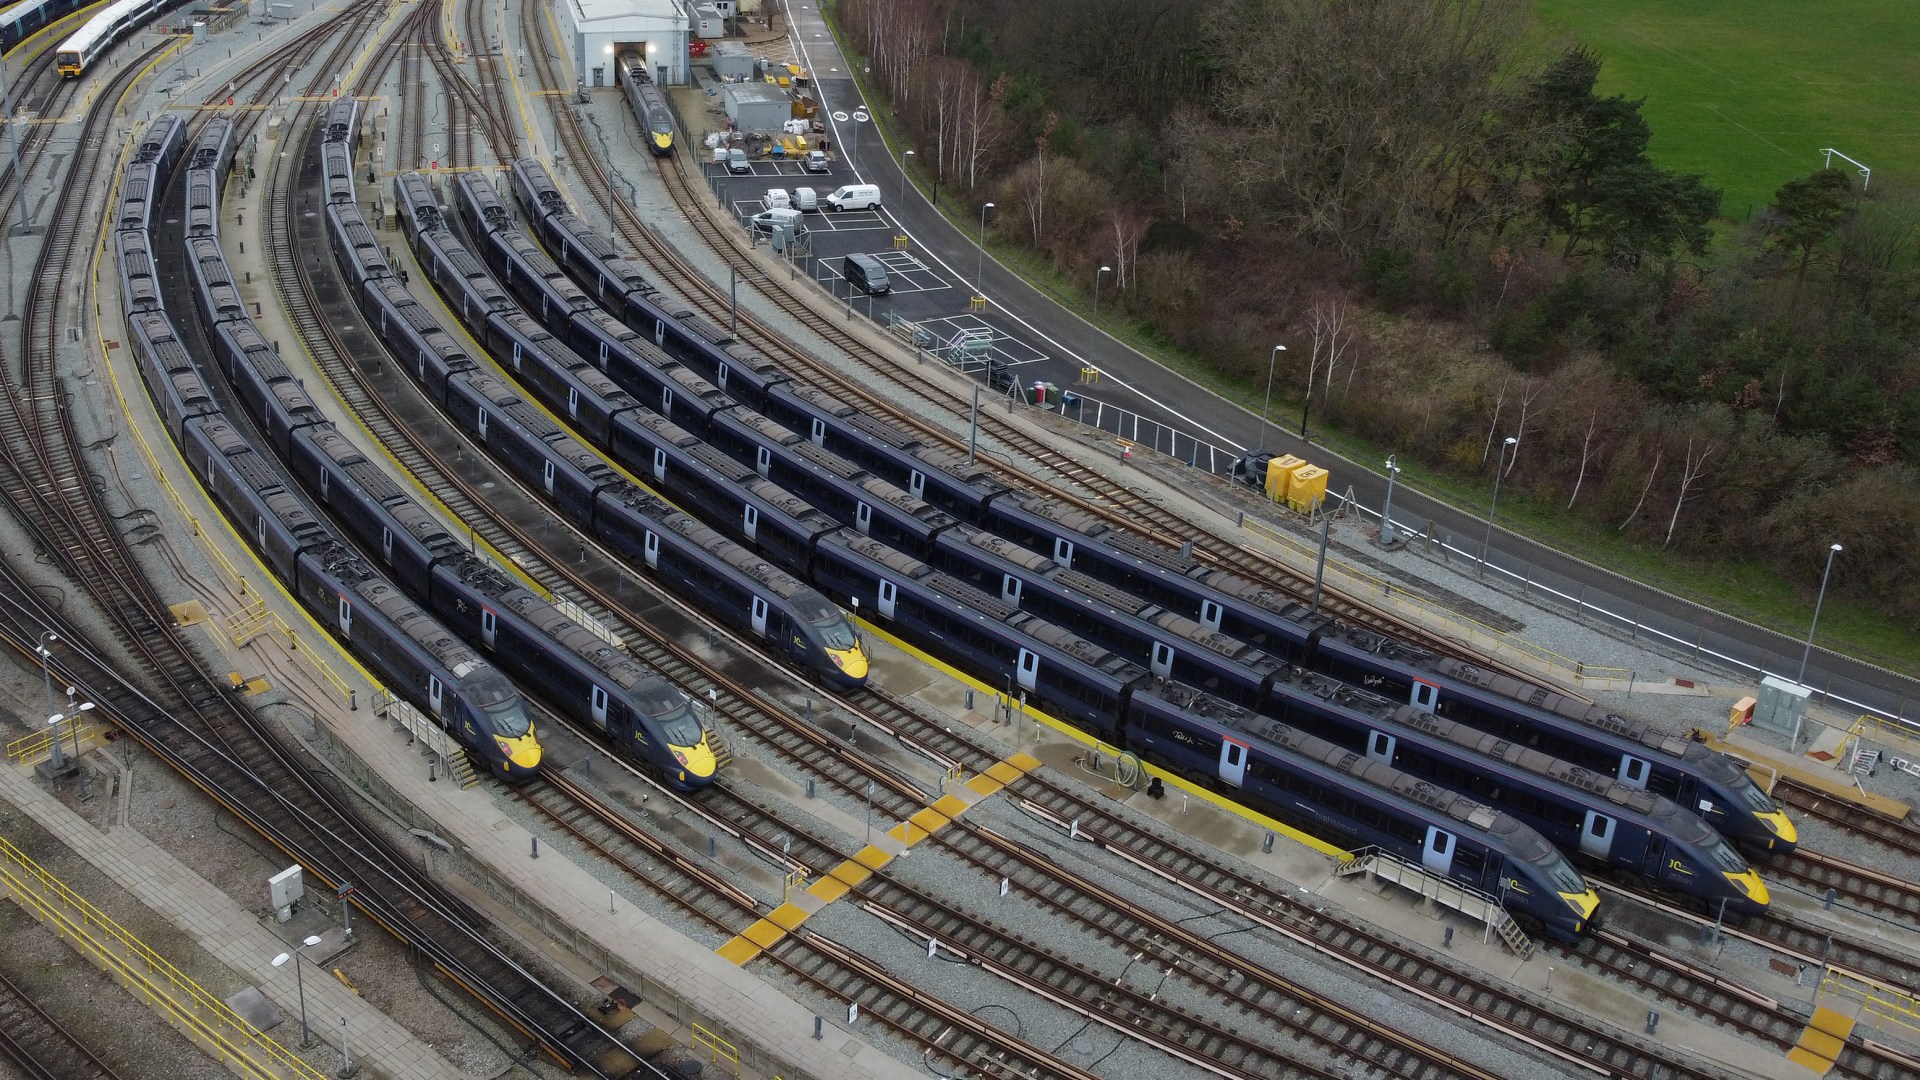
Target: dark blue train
746,588
1707,782
405,648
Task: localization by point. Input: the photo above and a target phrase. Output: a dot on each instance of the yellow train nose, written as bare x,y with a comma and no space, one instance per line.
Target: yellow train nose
853,663
1782,827
522,753
698,761
1755,888
1582,902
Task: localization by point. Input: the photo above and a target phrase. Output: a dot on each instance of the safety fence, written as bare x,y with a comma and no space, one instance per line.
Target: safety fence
197,1013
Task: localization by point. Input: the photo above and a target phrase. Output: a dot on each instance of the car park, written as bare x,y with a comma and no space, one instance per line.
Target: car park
855,197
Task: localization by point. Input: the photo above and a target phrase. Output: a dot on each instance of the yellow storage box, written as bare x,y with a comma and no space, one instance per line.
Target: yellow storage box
1309,488
1280,475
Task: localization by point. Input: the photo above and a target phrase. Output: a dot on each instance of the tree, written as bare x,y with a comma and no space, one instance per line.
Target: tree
1805,213
1597,188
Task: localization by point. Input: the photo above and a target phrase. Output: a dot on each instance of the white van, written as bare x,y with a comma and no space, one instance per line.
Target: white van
776,199
804,199
766,221
855,197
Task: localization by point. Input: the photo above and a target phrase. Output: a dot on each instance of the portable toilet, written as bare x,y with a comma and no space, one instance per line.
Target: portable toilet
1309,488
1280,476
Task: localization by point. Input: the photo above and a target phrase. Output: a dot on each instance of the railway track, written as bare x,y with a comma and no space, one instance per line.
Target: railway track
1875,891
38,1047
185,719
1084,487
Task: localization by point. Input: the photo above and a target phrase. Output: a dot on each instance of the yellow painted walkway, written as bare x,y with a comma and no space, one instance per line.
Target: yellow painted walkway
849,875
1820,1044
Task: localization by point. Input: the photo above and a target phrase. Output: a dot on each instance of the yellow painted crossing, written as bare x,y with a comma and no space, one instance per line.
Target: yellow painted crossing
852,873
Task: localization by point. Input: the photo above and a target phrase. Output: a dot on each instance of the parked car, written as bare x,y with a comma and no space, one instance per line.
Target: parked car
737,161
855,197
766,221
817,161
776,199
805,198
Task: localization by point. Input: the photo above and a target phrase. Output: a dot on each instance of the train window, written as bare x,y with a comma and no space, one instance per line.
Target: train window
1424,695
1441,842
1600,827
1636,770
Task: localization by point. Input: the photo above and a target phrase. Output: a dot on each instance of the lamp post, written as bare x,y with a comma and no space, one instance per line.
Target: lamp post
980,264
1499,467
905,176
74,713
1386,510
1104,271
1821,599
300,982
45,649
1272,358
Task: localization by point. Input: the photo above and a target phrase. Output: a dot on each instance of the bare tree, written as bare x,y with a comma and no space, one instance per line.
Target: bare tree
1648,486
1690,473
1129,229
1499,402
1529,390
1586,454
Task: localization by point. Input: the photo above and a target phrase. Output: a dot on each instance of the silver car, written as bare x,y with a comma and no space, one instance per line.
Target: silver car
737,161
817,161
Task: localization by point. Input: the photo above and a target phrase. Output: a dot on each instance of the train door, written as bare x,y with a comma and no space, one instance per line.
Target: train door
889,595
1424,696
750,523
436,696
1162,662
1010,587
573,402
720,376
819,435
481,422
666,401
1027,669
1437,853
1633,772
603,352
1233,762
1063,552
659,335
599,703
653,550
763,463
346,617
916,480
1380,747
863,519
489,626
546,475
1210,614
326,484
1596,834
760,616
660,466
516,356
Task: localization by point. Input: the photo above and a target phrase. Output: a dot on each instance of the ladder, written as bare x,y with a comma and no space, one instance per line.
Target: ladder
1447,893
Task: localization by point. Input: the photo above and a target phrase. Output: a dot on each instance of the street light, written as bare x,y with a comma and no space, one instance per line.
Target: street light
73,713
905,175
1498,468
1386,511
1272,358
1808,651
980,264
1105,270
299,981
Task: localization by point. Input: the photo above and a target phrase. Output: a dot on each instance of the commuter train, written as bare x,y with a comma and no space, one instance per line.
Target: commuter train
577,670
404,647
1699,778
712,571
649,105
1576,808
20,21
1211,741
1075,678
76,54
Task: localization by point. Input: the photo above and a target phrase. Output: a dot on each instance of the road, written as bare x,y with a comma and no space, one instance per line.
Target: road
1137,382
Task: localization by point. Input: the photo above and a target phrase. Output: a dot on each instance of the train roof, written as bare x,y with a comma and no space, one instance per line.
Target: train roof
103,23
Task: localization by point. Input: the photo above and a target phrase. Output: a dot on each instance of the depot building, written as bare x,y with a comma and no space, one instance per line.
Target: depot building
599,31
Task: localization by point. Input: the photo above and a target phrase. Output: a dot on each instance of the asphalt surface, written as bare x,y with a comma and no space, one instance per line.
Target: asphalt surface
1039,326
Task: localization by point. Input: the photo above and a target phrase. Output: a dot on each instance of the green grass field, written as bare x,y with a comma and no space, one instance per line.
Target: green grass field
1748,92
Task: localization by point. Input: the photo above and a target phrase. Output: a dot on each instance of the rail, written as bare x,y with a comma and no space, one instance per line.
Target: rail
198,1013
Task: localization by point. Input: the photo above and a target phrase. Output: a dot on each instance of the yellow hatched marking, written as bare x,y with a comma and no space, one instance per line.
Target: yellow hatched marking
848,876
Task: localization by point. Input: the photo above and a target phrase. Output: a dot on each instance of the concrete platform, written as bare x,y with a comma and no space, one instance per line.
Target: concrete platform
1766,762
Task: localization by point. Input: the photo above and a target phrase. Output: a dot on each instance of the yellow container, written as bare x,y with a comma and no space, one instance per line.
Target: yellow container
1309,488
1280,475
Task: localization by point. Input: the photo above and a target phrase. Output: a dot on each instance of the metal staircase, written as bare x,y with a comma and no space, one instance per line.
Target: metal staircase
1445,892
